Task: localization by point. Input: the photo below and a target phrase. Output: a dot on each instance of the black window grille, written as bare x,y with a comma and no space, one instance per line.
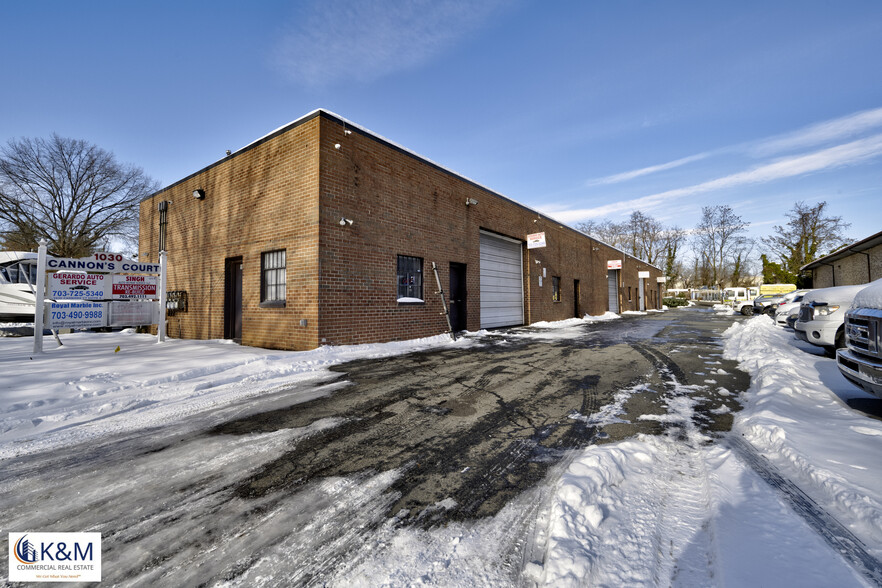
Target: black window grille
555,288
410,278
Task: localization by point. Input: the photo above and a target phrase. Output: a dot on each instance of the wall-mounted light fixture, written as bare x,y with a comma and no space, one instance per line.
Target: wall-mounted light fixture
345,221
471,201
199,194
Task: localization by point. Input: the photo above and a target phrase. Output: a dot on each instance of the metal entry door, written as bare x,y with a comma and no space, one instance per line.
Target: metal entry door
233,300
458,297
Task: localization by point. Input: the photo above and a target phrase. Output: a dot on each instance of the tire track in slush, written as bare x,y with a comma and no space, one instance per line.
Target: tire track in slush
826,525
836,535
685,514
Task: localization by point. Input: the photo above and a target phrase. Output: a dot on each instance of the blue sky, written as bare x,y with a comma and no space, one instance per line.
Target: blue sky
582,109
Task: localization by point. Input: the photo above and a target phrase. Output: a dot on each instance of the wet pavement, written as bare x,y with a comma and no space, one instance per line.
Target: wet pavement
471,428
267,492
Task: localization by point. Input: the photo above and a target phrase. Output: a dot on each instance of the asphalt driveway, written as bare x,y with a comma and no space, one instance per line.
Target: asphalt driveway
475,427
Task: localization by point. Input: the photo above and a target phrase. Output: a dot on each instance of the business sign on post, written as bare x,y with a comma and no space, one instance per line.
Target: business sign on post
614,264
124,313
102,262
536,240
76,314
126,287
77,285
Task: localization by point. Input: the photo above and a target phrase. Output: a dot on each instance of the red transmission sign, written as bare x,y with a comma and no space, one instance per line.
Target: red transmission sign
127,287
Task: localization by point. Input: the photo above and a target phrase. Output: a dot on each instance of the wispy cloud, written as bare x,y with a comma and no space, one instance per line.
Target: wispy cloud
826,132
821,133
851,153
630,175
367,39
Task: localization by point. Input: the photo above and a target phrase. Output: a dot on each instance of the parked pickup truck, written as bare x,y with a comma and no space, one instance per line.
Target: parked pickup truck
822,316
861,361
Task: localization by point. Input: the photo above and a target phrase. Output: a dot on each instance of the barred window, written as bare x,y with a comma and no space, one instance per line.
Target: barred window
555,288
272,278
410,279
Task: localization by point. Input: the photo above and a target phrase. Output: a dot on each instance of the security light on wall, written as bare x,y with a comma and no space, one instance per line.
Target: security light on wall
199,194
345,221
471,201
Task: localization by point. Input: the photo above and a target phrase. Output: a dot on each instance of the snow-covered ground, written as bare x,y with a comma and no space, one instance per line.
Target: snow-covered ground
97,384
659,511
679,509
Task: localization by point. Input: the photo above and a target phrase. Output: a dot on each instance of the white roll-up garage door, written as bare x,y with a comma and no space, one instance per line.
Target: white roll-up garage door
612,278
502,282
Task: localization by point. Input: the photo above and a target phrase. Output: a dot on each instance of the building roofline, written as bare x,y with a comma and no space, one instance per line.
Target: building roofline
843,252
355,127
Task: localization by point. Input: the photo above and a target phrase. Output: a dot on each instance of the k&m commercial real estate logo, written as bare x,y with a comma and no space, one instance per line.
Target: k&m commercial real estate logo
55,557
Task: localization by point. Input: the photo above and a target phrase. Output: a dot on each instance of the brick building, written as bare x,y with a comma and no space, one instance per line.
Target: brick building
857,263
325,233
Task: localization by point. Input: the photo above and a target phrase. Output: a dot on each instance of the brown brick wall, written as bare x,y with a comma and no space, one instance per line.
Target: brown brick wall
403,205
261,200
290,190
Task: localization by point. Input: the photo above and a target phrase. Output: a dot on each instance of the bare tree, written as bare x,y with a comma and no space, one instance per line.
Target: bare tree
720,242
641,236
73,193
809,234
611,233
673,240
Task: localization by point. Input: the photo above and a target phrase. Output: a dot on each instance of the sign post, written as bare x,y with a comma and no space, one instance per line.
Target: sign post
84,296
38,303
163,284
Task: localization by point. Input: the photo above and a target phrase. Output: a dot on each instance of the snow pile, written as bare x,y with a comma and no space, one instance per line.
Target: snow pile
796,416
658,511
869,297
575,322
723,309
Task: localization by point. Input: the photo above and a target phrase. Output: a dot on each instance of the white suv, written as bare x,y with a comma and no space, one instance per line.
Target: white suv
822,316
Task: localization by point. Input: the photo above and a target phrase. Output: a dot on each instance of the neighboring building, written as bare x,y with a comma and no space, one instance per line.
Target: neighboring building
325,233
858,263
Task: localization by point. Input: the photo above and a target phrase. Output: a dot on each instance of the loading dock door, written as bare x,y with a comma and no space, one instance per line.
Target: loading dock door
502,282
642,294
612,277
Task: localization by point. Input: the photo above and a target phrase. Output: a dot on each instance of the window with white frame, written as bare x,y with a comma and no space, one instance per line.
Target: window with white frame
410,279
272,278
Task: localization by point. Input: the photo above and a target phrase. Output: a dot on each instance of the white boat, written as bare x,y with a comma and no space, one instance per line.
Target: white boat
18,276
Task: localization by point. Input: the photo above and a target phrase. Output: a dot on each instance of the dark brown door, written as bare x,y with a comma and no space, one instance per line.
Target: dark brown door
577,309
458,294
233,299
